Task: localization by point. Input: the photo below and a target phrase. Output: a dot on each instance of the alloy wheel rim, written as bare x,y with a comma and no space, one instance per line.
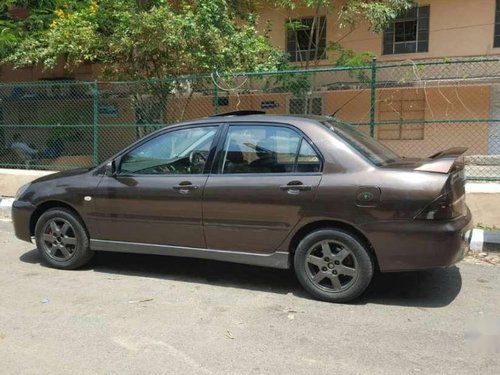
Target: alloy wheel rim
331,266
59,240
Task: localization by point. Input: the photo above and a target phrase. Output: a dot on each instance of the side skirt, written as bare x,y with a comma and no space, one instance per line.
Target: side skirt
274,260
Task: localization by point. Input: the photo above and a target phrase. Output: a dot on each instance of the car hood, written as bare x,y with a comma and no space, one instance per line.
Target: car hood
62,174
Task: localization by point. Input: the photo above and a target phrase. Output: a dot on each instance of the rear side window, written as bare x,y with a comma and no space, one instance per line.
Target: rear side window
267,149
307,159
377,153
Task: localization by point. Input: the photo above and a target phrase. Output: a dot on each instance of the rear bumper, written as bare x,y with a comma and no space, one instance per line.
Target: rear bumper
419,244
21,215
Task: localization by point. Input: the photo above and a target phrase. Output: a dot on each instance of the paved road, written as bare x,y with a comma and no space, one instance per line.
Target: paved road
157,315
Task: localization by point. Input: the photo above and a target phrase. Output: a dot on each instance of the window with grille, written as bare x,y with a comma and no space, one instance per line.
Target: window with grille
306,39
404,109
297,106
496,41
409,33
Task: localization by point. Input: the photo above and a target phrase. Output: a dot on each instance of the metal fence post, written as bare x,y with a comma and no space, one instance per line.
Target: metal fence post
216,92
373,97
95,149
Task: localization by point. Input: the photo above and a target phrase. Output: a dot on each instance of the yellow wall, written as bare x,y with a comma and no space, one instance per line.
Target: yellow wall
441,103
448,103
457,28
84,72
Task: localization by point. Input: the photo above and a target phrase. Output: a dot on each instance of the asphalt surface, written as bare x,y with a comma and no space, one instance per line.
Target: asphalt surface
149,314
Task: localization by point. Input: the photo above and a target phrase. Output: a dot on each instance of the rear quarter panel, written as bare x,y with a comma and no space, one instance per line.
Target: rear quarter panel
403,194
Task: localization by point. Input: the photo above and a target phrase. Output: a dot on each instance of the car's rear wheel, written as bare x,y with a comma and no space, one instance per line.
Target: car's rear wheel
62,239
333,265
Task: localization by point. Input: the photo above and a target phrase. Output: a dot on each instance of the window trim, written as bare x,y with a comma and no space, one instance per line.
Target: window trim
401,122
216,169
496,22
298,52
162,132
393,42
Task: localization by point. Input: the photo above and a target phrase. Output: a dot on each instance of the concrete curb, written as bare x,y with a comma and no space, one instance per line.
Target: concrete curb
491,241
5,207
484,241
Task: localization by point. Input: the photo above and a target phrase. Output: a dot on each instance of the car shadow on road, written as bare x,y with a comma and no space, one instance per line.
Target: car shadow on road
433,288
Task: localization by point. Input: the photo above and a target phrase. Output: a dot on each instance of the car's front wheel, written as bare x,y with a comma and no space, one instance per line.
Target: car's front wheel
333,265
62,239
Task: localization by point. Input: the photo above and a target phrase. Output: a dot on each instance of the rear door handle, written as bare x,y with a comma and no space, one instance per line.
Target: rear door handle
185,187
295,187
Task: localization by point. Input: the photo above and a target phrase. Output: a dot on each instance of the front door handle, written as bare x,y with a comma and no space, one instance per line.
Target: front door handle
295,187
185,187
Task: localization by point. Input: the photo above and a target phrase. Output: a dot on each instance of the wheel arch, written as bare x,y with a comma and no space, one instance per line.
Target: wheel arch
47,205
329,224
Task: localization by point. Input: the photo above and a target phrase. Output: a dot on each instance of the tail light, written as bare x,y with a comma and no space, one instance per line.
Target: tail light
441,208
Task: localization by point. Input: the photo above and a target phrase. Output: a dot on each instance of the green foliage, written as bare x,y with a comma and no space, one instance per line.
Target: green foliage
296,84
10,34
378,13
137,39
13,31
134,41
64,133
62,121
486,226
347,57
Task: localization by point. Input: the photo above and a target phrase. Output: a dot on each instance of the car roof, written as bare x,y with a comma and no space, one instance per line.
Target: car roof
269,118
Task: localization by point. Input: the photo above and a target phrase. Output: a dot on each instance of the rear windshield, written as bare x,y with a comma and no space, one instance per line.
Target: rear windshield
370,148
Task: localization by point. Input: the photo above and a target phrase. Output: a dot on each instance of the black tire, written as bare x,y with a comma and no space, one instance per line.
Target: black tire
333,265
68,250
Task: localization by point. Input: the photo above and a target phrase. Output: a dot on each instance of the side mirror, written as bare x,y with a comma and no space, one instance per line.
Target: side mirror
110,169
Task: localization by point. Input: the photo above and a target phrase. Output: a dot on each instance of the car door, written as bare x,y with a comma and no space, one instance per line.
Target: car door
263,181
155,196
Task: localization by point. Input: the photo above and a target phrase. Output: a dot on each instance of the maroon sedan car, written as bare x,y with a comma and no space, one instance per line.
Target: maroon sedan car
306,192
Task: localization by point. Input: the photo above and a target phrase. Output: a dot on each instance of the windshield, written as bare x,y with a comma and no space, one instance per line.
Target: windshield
370,148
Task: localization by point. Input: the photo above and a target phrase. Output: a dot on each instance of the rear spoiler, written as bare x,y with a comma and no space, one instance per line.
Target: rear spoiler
445,161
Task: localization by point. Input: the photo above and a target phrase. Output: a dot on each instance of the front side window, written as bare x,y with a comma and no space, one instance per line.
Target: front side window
409,33
266,149
183,151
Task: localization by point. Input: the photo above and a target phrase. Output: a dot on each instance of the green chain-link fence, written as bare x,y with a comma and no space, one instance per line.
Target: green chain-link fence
417,109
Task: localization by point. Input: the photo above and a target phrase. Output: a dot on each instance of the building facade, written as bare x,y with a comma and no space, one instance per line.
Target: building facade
435,29
421,103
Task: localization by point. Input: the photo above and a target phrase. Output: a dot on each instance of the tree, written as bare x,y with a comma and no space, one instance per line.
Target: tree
151,40
378,14
147,39
308,33
154,39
